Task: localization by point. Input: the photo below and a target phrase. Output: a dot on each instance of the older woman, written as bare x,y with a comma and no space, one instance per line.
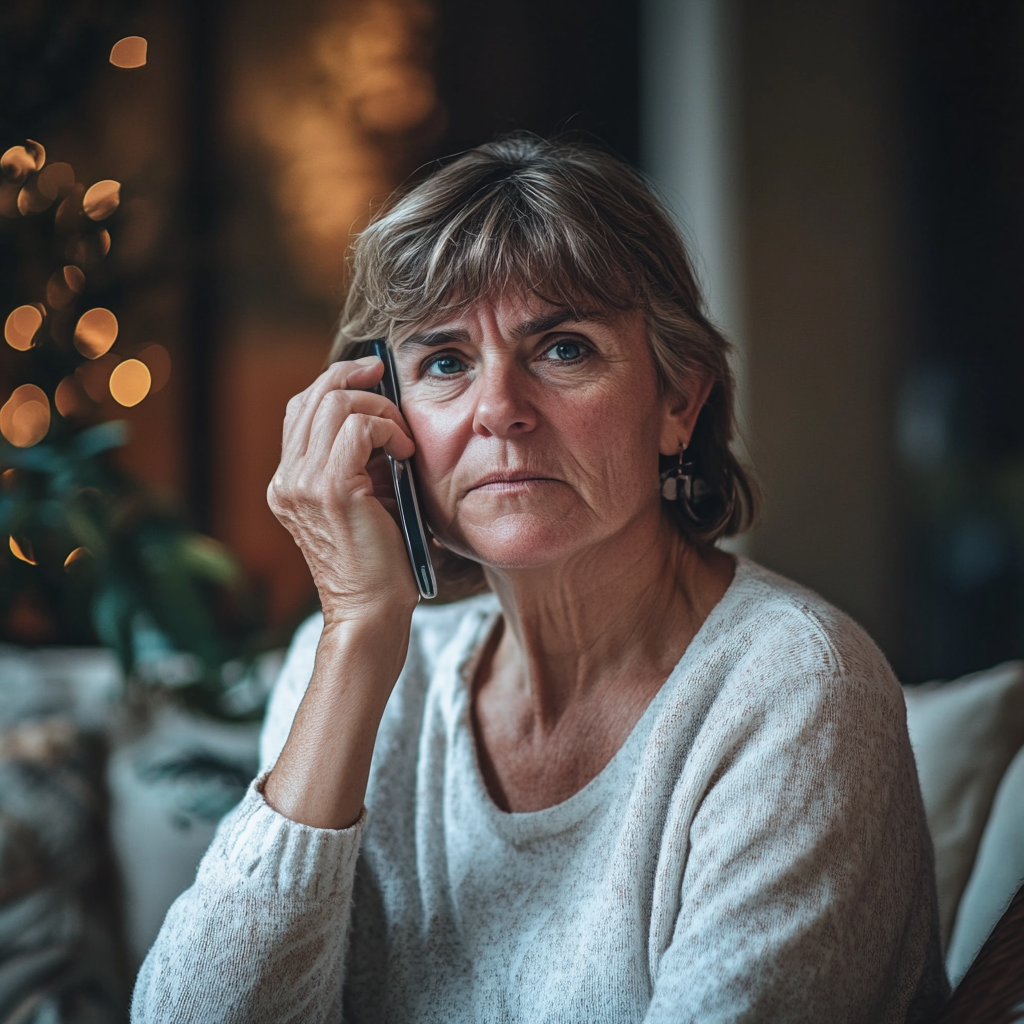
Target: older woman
635,779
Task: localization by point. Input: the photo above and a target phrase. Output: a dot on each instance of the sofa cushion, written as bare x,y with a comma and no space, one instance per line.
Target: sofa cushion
998,872
964,734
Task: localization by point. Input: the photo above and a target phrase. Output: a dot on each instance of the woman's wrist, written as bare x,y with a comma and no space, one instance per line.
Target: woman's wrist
320,778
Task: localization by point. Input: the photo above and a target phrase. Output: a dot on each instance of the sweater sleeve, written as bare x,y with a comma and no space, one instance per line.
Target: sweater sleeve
808,889
260,936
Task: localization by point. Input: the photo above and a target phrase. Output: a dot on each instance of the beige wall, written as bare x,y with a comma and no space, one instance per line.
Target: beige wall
821,236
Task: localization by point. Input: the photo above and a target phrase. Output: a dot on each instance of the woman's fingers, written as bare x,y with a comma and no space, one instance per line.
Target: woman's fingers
336,408
355,441
347,377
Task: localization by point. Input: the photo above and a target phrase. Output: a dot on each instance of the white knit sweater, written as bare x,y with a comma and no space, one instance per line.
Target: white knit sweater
756,851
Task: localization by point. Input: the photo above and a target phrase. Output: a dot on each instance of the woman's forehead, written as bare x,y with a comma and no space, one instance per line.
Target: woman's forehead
519,314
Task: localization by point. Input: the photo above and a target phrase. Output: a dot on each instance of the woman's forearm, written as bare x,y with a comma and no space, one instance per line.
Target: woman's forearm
321,776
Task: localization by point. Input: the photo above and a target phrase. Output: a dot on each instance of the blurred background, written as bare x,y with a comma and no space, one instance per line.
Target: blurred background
849,173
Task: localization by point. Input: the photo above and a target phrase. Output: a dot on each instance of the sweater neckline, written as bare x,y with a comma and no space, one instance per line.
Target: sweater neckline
524,826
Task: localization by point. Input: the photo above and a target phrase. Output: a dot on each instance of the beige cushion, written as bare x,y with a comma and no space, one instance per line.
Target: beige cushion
964,734
998,872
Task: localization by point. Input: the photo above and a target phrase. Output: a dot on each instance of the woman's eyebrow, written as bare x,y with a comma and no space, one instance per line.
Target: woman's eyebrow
538,325
434,339
541,324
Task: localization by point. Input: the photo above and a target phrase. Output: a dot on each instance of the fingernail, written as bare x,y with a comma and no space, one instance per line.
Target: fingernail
368,360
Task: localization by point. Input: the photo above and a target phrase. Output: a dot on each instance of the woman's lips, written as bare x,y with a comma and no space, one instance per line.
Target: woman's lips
509,481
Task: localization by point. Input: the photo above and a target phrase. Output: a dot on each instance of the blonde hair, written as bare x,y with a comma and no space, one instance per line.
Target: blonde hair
581,230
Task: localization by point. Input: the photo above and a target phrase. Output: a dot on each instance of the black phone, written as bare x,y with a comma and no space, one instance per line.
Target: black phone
402,478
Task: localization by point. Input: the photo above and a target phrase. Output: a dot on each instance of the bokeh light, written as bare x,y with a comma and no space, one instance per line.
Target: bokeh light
31,200
21,161
130,382
70,397
22,551
69,213
158,359
74,279
102,199
96,332
86,250
21,327
95,376
25,416
129,52
76,556
56,180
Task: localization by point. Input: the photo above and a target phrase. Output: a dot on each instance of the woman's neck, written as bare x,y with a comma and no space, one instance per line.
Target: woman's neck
624,611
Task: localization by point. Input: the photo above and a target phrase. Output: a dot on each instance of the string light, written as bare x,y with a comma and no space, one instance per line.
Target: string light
96,332
129,52
25,416
130,382
21,327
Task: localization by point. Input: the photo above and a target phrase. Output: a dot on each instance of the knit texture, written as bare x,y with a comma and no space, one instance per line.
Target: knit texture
755,851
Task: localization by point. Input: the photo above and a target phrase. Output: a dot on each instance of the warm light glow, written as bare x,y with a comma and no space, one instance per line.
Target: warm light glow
25,416
102,199
129,52
103,238
8,477
74,279
158,359
21,327
21,551
96,332
76,556
31,200
56,180
21,161
95,376
130,382
69,213
70,398
341,114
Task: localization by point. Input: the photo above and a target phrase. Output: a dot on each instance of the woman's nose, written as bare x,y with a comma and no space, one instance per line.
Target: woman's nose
502,405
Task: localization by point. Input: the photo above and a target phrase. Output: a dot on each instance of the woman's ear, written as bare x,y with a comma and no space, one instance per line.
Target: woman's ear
681,411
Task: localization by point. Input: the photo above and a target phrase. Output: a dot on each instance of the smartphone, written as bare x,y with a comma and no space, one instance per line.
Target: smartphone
402,477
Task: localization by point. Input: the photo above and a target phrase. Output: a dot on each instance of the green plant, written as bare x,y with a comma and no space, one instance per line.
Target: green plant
92,555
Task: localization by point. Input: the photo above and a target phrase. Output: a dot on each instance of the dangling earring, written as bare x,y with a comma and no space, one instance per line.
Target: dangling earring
677,479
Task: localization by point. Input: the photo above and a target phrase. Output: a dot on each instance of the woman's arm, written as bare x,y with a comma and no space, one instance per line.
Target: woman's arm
261,934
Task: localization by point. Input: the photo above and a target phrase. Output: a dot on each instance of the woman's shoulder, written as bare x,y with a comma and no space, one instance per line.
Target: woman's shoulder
779,643
765,612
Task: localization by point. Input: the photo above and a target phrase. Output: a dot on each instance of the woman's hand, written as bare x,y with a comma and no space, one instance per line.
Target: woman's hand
336,500
330,493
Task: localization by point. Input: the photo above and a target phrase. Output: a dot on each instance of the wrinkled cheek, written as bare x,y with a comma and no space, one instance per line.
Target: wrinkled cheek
434,464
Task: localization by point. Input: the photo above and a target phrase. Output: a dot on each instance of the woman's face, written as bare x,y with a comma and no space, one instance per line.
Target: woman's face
537,434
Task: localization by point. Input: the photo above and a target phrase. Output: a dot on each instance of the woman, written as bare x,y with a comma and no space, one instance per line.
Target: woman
637,779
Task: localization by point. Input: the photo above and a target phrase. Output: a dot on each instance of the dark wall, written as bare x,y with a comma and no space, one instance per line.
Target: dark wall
961,428
544,66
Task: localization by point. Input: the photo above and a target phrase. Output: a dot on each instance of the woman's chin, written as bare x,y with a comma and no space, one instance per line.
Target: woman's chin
519,542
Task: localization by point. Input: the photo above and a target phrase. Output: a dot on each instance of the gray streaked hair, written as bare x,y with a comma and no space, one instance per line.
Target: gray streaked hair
579,229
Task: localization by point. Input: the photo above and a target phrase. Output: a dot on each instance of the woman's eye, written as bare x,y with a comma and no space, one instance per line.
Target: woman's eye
444,366
565,351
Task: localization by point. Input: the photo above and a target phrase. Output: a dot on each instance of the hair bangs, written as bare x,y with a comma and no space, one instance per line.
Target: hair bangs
503,240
